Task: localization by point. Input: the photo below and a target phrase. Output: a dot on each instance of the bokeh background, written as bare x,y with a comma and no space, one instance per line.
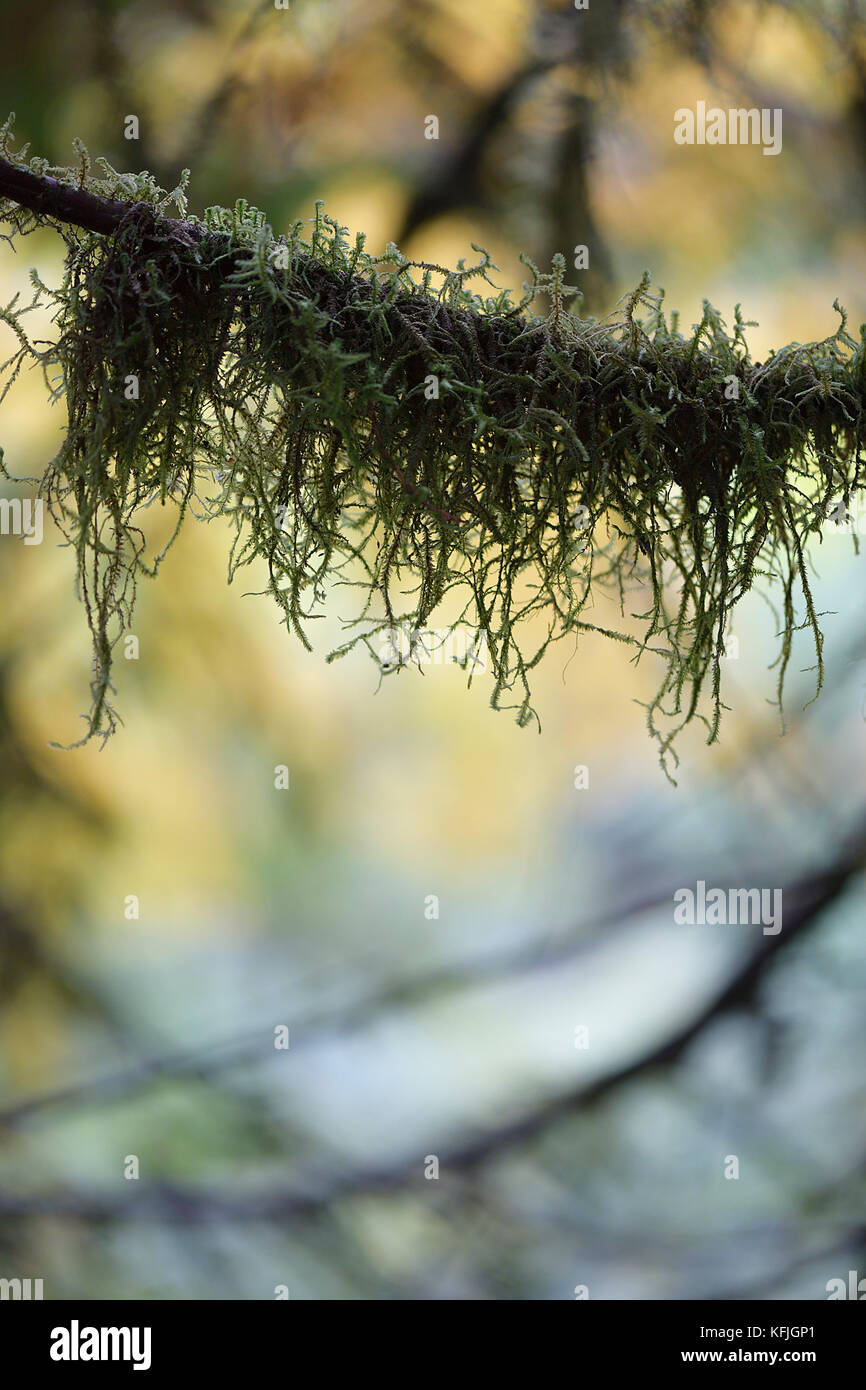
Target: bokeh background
416,1037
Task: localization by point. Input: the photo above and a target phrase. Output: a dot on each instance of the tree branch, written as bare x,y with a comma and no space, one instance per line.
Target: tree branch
47,197
701,463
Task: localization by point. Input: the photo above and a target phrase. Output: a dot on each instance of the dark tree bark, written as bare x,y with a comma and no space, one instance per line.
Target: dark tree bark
44,195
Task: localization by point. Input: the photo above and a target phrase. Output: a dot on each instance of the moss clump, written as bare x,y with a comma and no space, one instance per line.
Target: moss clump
379,424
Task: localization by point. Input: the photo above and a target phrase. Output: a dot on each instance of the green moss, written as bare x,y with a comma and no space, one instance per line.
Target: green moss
289,383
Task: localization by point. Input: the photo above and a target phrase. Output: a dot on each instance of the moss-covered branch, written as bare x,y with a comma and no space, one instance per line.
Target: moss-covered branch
380,425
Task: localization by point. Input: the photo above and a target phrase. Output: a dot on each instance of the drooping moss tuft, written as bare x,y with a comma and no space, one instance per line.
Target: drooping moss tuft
376,423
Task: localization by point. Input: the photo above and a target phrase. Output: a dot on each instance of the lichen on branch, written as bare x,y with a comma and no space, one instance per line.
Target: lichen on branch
412,435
